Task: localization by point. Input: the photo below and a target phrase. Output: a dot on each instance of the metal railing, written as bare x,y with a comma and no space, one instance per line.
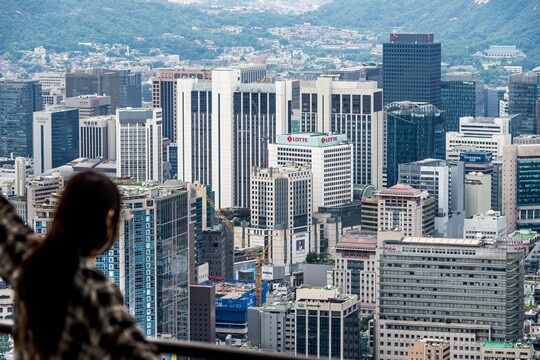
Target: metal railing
197,349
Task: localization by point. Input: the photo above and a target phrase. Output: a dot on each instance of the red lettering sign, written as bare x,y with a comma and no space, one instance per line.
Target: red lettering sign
297,139
329,139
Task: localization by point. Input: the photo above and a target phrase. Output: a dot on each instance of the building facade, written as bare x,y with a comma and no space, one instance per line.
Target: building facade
123,86
415,131
477,193
407,209
523,94
354,269
330,158
90,105
151,266
412,69
353,108
521,203
55,137
139,152
18,101
426,289
490,224
326,324
445,182
462,94
98,137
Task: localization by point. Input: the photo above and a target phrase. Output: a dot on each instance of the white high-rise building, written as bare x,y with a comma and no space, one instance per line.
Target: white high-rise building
330,157
458,143
477,193
139,152
224,127
426,288
481,134
353,108
55,137
20,176
98,137
281,199
489,224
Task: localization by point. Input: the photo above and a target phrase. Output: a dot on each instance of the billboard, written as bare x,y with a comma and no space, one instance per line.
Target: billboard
476,157
267,272
300,246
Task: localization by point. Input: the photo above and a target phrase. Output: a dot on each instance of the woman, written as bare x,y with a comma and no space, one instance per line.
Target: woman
64,307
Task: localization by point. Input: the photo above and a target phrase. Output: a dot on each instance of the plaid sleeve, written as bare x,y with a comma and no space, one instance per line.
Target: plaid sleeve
120,335
15,242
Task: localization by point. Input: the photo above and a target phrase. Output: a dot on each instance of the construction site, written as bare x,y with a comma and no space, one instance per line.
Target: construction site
233,298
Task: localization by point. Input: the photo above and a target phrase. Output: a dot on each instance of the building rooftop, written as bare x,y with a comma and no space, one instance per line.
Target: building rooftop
523,234
357,241
442,241
401,189
506,345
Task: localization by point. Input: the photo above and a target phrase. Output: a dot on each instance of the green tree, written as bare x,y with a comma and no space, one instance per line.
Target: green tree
312,257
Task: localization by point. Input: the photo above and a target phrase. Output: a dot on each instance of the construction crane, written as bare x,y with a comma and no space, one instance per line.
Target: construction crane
220,215
259,259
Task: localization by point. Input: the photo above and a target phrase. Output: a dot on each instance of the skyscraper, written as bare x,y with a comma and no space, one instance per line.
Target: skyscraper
523,95
353,108
415,131
56,137
139,153
492,97
412,69
462,94
521,181
123,86
98,137
330,158
224,128
164,94
151,266
18,101
281,198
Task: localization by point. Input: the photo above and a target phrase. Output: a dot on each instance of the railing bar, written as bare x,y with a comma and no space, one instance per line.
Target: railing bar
198,349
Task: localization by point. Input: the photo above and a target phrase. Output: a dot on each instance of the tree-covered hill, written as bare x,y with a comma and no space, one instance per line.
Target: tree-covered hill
462,26
62,24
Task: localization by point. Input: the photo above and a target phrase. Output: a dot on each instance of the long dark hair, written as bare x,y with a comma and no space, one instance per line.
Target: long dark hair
79,230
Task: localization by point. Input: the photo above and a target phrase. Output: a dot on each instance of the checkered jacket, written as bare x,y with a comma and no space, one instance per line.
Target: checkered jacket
97,325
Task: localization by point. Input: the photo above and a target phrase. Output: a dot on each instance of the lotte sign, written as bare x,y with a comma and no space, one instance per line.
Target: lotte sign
297,139
328,139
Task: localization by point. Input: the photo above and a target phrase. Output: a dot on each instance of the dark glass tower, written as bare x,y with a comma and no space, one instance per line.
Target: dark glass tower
412,69
123,86
462,94
523,95
415,131
18,101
